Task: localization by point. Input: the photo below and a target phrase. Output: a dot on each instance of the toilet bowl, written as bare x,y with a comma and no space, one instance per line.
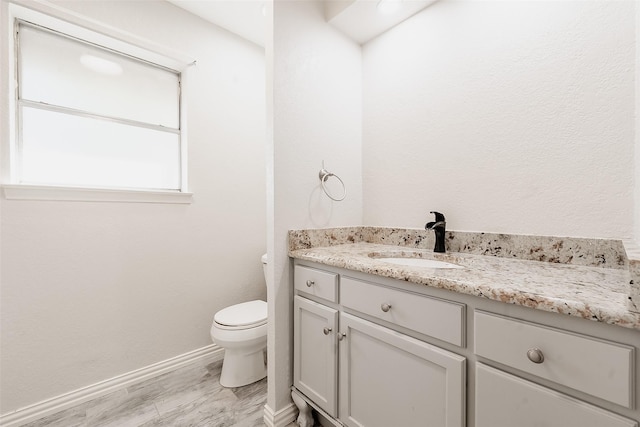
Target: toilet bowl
241,330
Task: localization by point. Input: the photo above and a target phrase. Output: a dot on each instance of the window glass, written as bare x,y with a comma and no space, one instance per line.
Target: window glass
62,71
92,117
62,149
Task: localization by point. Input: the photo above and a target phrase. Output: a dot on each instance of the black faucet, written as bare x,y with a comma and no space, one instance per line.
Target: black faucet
439,227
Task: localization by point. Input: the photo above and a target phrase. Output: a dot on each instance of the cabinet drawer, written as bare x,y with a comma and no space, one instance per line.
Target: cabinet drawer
599,368
434,317
503,400
321,284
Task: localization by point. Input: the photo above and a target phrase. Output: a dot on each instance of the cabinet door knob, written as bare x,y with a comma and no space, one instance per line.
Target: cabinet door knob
535,355
385,307
327,331
341,336
310,283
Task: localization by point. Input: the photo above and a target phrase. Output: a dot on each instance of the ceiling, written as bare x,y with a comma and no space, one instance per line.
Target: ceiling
361,20
242,17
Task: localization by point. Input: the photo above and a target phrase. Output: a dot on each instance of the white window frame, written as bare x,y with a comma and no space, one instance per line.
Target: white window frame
75,25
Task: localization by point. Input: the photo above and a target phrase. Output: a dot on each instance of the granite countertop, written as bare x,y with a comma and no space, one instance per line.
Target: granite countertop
591,292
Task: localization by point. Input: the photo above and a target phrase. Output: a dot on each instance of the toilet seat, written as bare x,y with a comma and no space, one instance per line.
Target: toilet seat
242,316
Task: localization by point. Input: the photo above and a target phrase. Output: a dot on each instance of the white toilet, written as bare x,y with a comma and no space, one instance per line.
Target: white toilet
241,330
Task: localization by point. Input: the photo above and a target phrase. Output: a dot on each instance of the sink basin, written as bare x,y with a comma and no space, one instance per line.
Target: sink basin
419,262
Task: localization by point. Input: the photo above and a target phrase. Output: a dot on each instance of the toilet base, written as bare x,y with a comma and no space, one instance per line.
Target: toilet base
240,368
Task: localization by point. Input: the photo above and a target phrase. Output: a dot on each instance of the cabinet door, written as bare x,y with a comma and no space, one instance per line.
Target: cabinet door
504,400
390,379
315,353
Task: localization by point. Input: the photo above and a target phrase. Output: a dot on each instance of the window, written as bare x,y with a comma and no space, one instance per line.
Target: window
88,115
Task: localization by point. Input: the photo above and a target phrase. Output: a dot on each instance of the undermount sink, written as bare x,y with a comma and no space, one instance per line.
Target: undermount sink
418,262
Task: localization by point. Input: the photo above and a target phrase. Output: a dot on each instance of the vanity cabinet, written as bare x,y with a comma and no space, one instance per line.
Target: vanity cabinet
352,361
505,400
371,351
389,379
425,315
597,367
315,351
315,370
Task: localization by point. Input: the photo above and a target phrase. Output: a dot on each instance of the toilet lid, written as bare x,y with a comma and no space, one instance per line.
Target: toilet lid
244,314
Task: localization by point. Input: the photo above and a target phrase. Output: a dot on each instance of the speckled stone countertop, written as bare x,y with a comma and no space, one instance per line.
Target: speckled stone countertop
595,287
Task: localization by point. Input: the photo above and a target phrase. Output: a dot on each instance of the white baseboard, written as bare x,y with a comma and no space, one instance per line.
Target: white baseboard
282,418
211,353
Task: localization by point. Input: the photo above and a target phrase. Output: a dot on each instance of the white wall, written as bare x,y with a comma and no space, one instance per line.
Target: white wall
514,117
95,290
637,149
316,105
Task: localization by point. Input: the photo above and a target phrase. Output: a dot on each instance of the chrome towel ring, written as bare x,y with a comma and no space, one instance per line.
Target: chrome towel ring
324,176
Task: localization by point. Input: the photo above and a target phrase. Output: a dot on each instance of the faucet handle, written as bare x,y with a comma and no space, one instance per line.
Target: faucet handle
439,216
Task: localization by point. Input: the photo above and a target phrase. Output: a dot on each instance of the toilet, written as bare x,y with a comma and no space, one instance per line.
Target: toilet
241,330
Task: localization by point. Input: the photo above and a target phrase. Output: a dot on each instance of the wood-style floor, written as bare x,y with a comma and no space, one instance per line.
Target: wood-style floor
187,397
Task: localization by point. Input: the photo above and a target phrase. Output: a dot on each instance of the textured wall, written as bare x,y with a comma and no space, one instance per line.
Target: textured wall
513,117
636,220
95,290
316,105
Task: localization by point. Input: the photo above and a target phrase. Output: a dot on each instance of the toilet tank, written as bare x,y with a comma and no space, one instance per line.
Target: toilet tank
264,267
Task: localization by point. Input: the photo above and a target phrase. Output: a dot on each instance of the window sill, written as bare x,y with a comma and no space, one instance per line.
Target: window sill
76,194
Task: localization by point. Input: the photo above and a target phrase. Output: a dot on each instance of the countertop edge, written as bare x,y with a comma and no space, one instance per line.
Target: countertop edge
618,316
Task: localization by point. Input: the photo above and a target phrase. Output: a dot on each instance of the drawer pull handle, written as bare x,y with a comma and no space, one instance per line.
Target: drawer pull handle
310,283
535,355
385,307
341,336
327,331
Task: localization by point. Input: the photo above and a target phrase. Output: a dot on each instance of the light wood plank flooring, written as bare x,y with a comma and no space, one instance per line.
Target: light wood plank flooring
187,397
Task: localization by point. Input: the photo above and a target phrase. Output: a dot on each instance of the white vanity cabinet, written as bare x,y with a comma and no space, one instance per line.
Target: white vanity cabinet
597,367
389,379
372,351
505,400
352,362
315,371
315,351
